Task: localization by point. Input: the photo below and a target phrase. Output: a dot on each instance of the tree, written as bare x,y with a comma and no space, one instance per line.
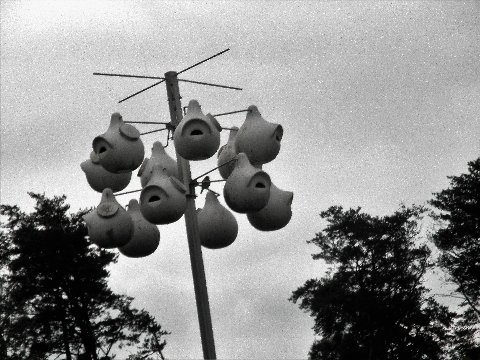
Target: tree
55,297
458,240
371,304
10,313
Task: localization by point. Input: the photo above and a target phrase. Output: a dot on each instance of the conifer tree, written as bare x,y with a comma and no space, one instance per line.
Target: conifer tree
55,294
372,304
458,239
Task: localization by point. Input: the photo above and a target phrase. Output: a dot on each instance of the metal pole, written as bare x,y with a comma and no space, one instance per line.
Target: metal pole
194,245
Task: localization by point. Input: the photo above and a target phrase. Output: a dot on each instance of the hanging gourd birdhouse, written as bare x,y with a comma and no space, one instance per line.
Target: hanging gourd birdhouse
145,236
247,188
276,214
163,200
160,157
119,149
109,225
197,136
258,138
217,226
226,153
99,179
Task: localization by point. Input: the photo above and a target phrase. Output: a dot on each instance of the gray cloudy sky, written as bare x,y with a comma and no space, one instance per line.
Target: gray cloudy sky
379,101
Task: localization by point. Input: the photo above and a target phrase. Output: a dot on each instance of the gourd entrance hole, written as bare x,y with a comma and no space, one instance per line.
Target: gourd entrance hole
260,185
196,132
154,198
102,149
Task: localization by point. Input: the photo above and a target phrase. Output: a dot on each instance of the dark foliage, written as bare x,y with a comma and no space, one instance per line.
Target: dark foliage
55,296
372,304
458,240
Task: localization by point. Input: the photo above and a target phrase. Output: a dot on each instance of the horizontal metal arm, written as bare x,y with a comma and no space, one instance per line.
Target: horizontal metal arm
201,62
146,122
129,76
139,92
127,192
210,84
231,112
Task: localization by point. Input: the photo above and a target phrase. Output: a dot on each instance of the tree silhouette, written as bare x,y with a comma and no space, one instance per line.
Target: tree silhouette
55,297
458,240
371,304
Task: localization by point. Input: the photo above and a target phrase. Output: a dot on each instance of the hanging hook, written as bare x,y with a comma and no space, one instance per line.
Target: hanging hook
168,138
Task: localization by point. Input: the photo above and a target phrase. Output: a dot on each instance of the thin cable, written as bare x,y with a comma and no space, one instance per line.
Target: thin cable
153,131
208,172
130,76
231,112
196,183
201,62
138,92
210,84
225,128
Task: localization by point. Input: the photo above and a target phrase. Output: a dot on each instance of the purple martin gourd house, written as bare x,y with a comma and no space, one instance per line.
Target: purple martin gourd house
109,225
217,226
145,235
99,179
162,200
258,138
227,153
276,214
119,149
247,188
160,157
197,136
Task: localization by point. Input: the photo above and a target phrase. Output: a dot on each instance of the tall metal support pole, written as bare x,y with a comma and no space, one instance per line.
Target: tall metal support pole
194,245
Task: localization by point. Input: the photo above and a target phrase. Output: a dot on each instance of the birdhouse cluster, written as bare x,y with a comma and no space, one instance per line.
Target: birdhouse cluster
163,198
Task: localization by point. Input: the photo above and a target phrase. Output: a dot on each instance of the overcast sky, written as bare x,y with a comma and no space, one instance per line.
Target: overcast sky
379,101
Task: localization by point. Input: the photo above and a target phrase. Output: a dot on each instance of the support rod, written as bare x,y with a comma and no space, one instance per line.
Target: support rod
139,92
209,171
129,76
153,131
231,112
210,84
146,122
194,245
201,62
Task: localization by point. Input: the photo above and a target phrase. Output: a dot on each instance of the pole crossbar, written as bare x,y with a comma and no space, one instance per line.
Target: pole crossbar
201,62
139,92
163,79
147,122
130,76
210,84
